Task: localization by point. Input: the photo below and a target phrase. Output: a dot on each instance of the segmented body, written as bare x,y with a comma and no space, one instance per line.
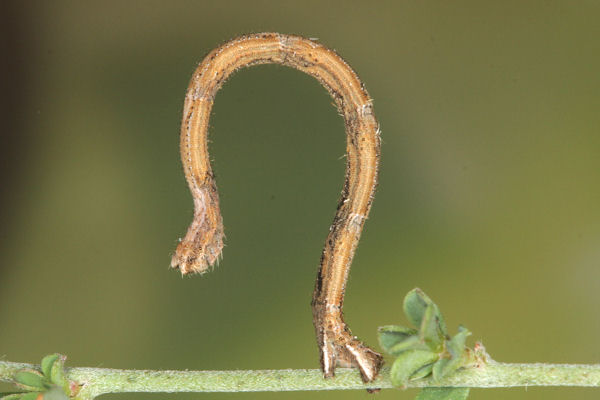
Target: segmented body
202,245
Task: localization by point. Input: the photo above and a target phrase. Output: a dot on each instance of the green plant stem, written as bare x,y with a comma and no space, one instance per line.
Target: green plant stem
97,381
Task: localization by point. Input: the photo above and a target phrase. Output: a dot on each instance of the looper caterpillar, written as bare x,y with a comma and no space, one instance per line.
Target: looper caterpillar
202,245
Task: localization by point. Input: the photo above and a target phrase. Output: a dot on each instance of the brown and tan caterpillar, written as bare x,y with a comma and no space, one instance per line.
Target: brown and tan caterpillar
202,245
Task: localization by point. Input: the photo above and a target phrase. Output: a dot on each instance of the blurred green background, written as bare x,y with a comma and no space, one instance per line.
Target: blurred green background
489,195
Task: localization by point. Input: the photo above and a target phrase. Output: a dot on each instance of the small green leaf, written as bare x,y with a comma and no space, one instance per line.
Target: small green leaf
391,335
456,345
57,374
456,349
411,343
422,372
443,394
441,323
47,363
415,304
430,331
408,363
439,319
31,380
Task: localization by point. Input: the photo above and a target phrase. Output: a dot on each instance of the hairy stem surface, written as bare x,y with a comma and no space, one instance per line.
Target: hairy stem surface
97,381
